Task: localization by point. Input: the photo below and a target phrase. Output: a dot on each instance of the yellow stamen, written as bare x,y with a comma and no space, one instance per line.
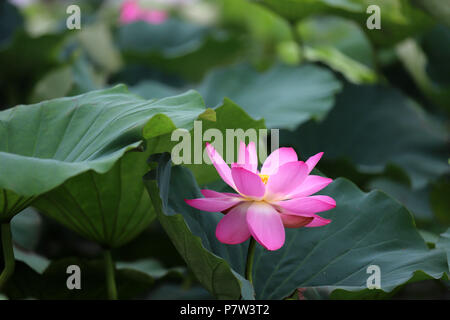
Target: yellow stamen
264,178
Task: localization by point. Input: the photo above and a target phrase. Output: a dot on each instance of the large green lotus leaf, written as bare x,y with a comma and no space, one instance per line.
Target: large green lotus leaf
374,126
284,96
417,201
110,208
43,145
154,89
366,229
399,18
341,44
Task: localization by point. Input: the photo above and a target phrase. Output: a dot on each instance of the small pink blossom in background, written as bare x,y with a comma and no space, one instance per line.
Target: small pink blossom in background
267,201
131,11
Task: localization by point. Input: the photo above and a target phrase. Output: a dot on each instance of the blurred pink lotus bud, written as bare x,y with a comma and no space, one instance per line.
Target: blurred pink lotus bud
131,11
154,16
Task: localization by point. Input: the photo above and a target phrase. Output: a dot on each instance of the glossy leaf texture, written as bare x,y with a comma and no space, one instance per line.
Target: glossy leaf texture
366,229
43,145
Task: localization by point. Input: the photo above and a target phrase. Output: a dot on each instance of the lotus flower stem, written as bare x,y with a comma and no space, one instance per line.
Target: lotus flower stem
110,279
8,254
250,256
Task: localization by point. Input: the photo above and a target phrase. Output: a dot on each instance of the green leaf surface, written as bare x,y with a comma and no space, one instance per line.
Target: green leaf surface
298,9
366,229
197,248
399,18
444,244
145,37
416,201
265,32
284,96
439,201
177,48
374,126
229,117
58,139
110,208
151,267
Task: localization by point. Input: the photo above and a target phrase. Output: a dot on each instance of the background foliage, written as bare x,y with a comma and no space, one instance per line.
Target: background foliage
375,101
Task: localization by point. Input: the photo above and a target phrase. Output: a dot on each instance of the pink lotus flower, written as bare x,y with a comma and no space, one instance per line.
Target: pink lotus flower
267,201
131,11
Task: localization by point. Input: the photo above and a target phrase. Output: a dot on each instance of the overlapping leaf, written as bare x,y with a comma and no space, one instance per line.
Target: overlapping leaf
373,126
176,47
399,18
43,145
367,229
134,278
341,44
110,208
284,96
231,125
